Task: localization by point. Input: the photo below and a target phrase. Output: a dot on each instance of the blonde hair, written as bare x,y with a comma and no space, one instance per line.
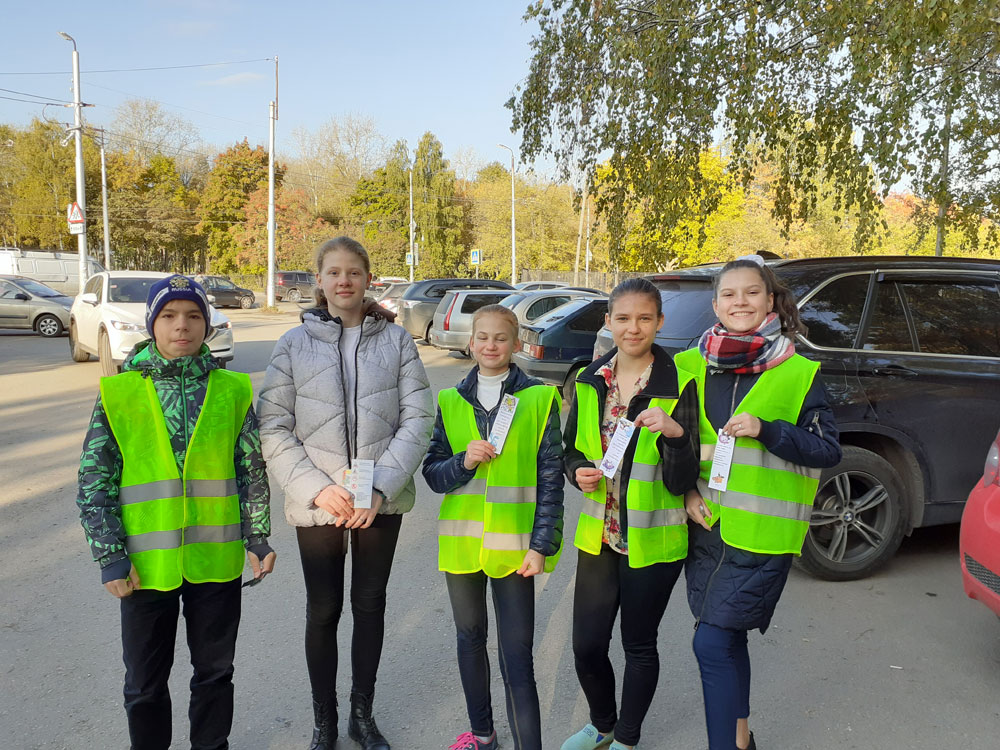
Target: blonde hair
504,312
330,246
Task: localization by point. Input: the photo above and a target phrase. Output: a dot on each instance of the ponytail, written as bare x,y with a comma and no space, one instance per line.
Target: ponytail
784,301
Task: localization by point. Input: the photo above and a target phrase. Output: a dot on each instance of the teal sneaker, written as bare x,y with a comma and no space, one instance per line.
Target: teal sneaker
616,745
587,738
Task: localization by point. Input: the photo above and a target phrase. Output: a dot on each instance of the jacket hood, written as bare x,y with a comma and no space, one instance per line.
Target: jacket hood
369,308
146,359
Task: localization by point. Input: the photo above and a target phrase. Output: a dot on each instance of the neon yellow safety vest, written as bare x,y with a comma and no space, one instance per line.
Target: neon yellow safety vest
486,524
767,501
179,526
657,521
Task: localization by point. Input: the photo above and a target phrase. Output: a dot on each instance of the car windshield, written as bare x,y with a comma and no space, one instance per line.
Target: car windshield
224,284
687,308
512,299
37,289
133,291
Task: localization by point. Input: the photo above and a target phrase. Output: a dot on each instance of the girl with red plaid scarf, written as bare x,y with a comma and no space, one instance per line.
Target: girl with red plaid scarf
754,390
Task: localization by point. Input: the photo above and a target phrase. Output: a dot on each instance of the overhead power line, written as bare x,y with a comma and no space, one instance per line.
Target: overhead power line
138,70
37,96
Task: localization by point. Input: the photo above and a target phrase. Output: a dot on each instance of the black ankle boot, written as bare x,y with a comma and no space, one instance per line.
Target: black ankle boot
325,731
361,726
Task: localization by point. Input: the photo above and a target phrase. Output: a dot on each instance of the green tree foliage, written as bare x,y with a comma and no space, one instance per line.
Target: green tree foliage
40,178
236,173
153,224
378,213
438,218
298,231
850,97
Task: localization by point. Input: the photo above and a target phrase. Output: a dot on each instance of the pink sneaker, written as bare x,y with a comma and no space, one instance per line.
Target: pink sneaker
469,741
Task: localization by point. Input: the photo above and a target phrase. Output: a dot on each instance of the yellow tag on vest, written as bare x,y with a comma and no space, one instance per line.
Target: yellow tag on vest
718,477
501,425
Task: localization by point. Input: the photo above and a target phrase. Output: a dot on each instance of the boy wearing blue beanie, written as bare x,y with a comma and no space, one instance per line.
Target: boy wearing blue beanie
173,488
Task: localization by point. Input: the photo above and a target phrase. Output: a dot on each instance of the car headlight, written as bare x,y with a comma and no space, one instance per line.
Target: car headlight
121,325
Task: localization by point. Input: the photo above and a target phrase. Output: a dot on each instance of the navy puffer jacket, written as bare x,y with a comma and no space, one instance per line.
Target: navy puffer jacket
445,471
733,588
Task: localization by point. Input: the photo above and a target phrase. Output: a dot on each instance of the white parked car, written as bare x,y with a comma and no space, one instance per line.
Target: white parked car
109,318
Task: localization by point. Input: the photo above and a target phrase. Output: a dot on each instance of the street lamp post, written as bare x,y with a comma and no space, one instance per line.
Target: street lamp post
81,198
513,226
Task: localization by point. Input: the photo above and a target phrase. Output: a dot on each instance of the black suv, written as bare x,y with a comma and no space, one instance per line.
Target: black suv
226,293
294,285
910,354
420,300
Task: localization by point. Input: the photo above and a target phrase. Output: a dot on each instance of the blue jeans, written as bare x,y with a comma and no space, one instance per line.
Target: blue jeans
514,603
725,681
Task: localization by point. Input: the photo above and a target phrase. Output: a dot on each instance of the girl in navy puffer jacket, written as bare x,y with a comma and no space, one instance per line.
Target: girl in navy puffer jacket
735,573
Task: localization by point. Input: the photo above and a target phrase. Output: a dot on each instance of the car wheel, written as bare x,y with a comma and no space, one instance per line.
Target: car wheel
858,519
294,295
75,350
49,326
108,366
569,390
246,301
427,334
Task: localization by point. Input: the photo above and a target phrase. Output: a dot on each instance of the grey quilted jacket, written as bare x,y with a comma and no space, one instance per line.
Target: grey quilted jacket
303,423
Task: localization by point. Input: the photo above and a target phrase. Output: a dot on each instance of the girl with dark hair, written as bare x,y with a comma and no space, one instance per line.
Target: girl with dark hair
345,355
632,532
750,513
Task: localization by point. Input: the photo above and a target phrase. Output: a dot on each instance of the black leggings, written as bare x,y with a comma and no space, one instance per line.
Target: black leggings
604,584
323,550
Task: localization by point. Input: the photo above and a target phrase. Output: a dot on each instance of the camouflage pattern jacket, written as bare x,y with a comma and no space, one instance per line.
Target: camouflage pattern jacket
180,385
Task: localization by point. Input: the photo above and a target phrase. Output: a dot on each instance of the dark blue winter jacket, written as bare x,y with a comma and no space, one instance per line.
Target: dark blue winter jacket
445,471
734,588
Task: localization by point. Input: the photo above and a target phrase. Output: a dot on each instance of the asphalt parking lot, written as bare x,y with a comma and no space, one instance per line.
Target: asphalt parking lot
900,660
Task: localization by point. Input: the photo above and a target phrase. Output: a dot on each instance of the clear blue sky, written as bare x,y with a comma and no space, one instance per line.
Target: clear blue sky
447,67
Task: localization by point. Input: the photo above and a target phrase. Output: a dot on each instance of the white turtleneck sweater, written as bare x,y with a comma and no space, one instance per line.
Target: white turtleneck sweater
489,389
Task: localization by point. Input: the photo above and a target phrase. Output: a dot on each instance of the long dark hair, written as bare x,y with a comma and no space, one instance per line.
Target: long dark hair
784,301
338,243
636,286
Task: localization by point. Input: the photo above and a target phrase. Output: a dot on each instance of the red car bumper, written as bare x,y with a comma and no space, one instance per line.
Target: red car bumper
979,545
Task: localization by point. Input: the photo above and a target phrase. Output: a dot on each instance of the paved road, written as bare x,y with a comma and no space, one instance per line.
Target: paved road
901,660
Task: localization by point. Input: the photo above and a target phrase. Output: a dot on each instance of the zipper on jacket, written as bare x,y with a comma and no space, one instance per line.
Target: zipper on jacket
343,394
357,349
816,424
708,586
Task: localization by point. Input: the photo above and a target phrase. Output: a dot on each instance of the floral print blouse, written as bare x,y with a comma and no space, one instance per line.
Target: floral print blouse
615,409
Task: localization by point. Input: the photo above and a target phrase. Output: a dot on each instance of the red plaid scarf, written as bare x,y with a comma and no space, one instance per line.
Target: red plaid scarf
746,353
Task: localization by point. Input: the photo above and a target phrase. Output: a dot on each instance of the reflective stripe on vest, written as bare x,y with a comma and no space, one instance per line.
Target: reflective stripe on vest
657,521
486,524
179,525
768,501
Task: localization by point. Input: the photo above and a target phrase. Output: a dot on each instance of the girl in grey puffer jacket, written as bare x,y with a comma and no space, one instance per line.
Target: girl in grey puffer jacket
345,385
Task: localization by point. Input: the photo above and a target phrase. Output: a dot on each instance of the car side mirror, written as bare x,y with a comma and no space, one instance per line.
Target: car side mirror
89,297
22,296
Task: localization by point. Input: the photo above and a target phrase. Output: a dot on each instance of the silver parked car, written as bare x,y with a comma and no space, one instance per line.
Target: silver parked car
452,324
26,303
532,305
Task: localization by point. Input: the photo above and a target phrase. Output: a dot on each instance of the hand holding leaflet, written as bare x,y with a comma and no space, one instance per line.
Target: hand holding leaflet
617,447
501,425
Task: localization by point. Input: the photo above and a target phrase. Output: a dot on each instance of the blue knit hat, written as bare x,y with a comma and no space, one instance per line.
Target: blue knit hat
176,287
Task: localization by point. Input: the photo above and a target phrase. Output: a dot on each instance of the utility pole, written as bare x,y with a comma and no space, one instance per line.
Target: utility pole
104,206
271,228
413,257
579,241
588,245
81,187
513,226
